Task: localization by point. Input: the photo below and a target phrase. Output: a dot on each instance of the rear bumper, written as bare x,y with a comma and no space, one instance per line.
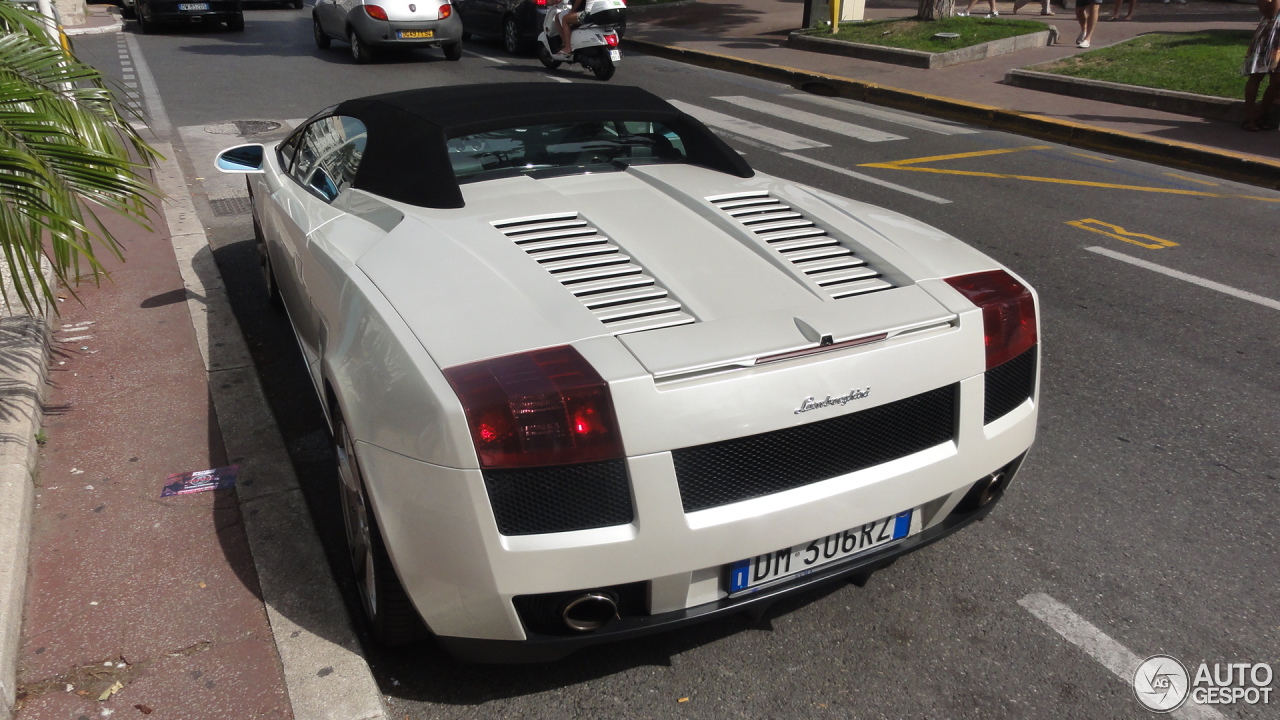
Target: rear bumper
168,12
384,34
547,648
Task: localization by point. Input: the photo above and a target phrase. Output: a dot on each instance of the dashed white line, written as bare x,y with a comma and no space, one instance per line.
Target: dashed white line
867,178
1117,658
1187,277
486,57
822,122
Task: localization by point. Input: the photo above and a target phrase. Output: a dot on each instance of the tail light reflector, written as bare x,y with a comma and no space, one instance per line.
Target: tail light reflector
545,407
611,40
1008,312
445,11
540,3
375,12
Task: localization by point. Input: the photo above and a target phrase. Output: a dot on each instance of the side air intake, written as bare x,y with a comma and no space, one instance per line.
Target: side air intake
610,284
834,267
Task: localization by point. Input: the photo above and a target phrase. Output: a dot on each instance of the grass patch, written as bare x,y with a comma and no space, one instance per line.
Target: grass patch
1206,62
919,34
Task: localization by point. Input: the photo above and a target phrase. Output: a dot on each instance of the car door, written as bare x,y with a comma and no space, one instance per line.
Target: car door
298,206
341,146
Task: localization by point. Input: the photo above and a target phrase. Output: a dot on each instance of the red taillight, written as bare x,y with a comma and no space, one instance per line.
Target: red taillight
611,40
540,3
546,407
1008,312
445,11
375,12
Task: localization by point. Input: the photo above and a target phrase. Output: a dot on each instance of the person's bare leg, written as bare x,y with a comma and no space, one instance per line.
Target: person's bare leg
1092,18
1044,8
563,22
1268,97
1082,18
1115,11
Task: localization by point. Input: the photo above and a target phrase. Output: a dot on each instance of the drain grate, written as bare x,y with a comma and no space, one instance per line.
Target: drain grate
224,207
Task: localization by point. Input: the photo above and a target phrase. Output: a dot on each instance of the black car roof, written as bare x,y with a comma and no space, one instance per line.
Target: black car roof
406,157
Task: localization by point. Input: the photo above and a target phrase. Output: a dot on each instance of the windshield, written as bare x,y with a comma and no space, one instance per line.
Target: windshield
562,148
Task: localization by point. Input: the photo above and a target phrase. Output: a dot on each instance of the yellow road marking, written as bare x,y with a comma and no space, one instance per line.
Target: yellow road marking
1095,157
957,156
1122,234
903,165
1184,177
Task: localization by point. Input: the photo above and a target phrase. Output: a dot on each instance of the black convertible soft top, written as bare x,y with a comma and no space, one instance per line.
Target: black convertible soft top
406,157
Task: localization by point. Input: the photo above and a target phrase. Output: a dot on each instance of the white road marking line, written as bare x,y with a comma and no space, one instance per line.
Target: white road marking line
557,78
486,57
822,122
159,118
867,178
1120,660
1193,279
775,138
73,339
885,115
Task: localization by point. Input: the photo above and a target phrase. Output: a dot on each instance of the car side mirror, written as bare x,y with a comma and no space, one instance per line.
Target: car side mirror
242,159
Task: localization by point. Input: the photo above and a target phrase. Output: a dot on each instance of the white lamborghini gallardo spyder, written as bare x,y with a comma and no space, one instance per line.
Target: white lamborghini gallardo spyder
590,376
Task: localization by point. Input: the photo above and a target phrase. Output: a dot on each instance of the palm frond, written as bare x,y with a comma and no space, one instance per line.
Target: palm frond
67,152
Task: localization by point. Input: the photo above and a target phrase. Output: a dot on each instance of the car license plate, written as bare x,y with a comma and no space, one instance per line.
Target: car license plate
415,34
615,55
186,7
753,573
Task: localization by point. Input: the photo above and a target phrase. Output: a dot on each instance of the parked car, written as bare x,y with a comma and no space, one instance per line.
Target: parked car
516,22
153,13
369,26
590,376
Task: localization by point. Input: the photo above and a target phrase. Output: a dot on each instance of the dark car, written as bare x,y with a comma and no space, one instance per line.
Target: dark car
152,13
517,22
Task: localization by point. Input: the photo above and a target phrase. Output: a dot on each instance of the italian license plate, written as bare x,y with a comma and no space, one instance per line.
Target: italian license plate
188,7
753,573
415,34
615,55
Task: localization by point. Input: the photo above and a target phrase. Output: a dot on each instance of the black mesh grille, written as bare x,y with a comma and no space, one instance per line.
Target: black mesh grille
559,499
744,468
1009,385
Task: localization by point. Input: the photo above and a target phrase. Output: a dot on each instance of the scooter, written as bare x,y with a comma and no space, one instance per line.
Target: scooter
594,41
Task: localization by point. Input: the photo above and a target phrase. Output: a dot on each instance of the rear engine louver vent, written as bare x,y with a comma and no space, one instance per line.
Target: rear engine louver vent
819,256
610,284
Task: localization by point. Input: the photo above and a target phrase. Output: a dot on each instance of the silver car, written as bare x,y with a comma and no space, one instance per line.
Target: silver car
372,25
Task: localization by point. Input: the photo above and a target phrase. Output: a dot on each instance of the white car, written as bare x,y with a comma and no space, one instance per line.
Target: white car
590,376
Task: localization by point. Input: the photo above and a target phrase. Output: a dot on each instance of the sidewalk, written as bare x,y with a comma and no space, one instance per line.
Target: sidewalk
752,33
157,594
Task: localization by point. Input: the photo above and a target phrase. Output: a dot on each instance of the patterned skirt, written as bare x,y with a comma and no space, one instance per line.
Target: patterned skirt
1264,50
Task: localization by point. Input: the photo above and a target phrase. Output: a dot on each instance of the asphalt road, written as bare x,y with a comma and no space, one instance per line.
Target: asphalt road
1143,519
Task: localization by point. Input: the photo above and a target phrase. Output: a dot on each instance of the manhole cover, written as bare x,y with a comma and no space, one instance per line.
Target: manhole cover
253,127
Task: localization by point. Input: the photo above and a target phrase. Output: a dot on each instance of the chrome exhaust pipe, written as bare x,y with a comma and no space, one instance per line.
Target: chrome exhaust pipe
589,611
990,487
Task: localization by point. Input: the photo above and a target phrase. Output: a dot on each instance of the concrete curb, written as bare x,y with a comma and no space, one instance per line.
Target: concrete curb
24,364
919,58
1224,164
116,26
325,673
1178,103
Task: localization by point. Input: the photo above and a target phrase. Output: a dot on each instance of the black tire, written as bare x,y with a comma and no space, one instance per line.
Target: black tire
296,4
392,619
359,51
323,41
511,40
603,68
143,25
236,24
544,55
129,13
452,51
